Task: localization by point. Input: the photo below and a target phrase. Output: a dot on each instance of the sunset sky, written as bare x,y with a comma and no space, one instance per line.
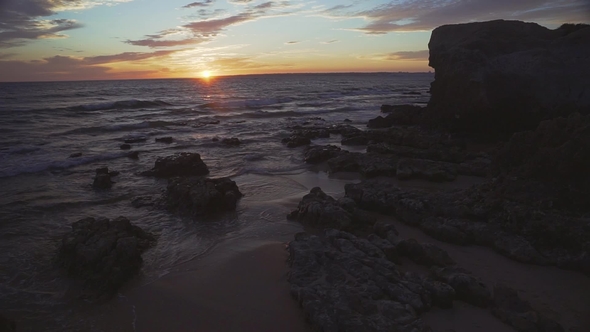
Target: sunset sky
113,39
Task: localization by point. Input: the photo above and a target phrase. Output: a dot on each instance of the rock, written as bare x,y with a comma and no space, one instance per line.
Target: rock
511,75
133,155
467,287
442,294
167,139
142,201
512,310
424,254
318,154
319,209
342,288
200,196
296,141
102,179
76,155
347,120
403,115
135,140
436,171
125,146
234,141
367,164
180,164
6,324
104,253
379,122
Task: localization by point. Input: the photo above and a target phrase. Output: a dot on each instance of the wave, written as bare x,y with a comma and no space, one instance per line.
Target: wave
121,127
122,104
56,165
248,104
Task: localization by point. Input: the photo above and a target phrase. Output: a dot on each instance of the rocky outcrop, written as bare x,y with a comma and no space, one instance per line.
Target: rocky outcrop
104,253
436,171
321,210
400,115
505,76
102,179
180,164
233,141
166,140
482,215
318,154
200,196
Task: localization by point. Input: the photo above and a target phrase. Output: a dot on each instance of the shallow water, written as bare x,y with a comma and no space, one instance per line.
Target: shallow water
44,190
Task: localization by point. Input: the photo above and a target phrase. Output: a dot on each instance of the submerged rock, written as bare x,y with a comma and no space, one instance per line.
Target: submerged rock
296,141
104,253
166,140
318,154
200,196
135,140
76,155
234,141
102,179
180,164
125,146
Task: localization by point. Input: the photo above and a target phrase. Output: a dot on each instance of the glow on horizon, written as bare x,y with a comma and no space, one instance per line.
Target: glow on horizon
47,40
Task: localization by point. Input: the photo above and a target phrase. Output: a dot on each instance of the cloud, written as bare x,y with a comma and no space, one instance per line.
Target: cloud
73,68
199,4
402,55
22,20
240,2
422,15
293,42
197,32
329,41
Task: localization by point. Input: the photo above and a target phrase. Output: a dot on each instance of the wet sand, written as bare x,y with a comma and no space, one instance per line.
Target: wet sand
247,292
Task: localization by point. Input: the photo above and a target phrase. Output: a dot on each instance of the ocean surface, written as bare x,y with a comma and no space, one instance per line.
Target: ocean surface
44,189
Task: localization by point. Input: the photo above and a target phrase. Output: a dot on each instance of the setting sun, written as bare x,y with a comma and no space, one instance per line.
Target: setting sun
206,74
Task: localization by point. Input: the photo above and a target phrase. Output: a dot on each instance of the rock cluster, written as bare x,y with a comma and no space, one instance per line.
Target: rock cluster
201,196
180,164
102,179
104,253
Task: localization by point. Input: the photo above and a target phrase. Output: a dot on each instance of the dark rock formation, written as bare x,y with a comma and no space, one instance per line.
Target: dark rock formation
468,288
436,171
510,75
125,146
319,209
399,115
233,141
521,230
514,311
166,140
318,154
104,253
344,283
200,196
102,179
76,155
180,164
379,122
368,164
133,155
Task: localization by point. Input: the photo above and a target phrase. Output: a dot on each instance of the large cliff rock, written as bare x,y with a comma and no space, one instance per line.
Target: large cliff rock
506,76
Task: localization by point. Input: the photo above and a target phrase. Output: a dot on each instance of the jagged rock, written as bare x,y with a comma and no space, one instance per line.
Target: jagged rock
180,164
102,179
200,196
379,122
437,171
104,253
166,139
512,310
318,154
319,209
424,254
343,288
234,141
468,288
125,146
511,75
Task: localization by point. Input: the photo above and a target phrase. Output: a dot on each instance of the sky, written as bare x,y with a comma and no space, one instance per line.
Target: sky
51,40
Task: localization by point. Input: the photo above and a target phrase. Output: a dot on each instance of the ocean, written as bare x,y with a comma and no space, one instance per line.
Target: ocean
45,186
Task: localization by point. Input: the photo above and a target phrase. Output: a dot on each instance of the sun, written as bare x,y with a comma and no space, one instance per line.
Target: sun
206,74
